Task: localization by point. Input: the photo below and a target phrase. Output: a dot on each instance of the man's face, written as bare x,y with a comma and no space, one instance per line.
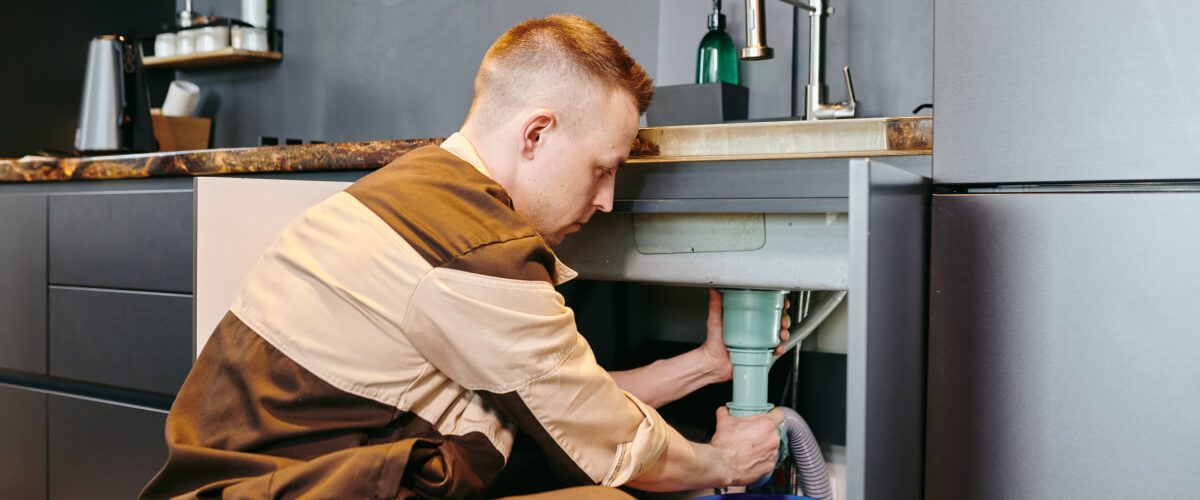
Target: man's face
573,172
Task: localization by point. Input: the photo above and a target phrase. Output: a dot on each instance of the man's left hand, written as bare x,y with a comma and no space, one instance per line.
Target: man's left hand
714,345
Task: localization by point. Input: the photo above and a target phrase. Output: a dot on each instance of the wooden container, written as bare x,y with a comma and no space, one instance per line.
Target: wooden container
180,133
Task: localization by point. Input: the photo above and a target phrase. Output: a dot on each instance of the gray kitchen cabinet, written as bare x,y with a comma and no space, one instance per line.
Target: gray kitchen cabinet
1066,91
90,342
1063,341
96,308
127,240
99,450
855,225
137,340
22,443
23,282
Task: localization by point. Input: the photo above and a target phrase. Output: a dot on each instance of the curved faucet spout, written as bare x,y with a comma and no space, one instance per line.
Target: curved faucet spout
814,92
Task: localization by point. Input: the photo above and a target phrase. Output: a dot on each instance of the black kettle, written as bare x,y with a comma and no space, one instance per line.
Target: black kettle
115,113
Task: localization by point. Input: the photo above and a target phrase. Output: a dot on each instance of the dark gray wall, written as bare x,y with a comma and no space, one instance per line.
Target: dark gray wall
383,69
888,45
44,57
379,69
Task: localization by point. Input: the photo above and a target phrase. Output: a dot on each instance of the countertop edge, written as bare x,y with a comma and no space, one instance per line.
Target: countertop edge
860,137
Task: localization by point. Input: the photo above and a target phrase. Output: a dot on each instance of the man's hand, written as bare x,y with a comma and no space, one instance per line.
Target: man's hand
748,444
714,345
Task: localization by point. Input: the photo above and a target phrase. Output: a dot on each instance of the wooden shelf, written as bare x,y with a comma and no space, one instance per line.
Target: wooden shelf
221,57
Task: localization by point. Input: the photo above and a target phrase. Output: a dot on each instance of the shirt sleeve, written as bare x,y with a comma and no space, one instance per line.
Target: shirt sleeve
515,342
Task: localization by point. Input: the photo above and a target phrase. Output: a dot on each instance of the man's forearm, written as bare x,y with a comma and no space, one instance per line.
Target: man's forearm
666,380
685,465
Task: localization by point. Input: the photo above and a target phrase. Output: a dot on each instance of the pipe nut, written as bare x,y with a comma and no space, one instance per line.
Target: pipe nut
757,53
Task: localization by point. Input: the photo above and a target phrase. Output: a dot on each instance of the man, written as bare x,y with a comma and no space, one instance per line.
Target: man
393,337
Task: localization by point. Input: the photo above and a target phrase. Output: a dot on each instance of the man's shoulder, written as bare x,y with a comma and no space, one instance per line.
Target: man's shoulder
426,164
454,216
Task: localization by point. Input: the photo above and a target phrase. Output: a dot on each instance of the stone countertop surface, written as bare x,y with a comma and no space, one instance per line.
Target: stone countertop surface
862,137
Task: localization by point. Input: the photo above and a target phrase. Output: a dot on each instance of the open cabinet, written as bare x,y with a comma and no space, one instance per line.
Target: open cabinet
853,225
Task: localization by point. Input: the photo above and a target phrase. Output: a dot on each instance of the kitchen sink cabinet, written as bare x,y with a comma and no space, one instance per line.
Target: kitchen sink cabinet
826,224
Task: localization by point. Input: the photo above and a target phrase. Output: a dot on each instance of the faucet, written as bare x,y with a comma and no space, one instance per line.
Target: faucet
814,93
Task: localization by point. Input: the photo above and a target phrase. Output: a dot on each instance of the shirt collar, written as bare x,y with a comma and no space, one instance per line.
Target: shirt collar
458,145
562,273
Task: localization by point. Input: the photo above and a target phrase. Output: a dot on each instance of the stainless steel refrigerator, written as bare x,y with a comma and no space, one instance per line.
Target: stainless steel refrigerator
1064,357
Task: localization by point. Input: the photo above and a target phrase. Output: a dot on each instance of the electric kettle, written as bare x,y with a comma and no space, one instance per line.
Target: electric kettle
115,112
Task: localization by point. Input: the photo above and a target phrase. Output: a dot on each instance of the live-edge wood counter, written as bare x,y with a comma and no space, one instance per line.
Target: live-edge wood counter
863,137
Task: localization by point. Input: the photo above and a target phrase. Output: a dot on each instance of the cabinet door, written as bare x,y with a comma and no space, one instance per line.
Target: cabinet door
885,347
99,450
23,282
1063,341
22,443
1066,91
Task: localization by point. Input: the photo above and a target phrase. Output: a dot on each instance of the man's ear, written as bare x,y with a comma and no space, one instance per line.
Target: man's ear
534,129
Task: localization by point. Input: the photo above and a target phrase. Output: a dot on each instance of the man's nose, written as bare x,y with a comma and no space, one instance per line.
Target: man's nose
604,197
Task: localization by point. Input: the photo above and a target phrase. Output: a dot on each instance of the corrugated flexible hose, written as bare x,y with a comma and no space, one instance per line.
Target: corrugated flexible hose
806,456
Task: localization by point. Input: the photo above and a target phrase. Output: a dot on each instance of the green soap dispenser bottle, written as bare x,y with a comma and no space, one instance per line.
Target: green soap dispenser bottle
717,59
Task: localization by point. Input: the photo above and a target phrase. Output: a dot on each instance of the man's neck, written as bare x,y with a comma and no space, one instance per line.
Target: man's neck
492,154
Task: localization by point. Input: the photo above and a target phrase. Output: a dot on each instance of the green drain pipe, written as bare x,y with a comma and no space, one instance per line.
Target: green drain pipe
751,330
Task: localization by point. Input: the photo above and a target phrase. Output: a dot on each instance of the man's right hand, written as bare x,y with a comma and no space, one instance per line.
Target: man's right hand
748,444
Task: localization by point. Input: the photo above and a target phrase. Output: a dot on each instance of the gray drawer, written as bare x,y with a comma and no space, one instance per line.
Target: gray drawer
139,340
22,443
99,450
23,282
140,241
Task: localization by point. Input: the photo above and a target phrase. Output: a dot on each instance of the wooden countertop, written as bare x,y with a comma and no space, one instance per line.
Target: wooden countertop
861,137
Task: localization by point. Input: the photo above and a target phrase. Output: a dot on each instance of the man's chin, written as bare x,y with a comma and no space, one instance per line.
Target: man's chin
558,237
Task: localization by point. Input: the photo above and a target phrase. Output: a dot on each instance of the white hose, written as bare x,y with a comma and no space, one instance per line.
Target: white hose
810,322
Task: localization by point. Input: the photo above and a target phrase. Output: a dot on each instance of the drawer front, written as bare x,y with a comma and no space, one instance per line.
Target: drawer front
22,443
139,340
23,282
99,450
140,241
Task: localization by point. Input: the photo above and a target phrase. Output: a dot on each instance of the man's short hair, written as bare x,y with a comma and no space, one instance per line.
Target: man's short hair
560,53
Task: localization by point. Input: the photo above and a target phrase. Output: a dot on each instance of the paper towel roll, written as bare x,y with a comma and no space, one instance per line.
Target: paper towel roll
255,12
182,97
